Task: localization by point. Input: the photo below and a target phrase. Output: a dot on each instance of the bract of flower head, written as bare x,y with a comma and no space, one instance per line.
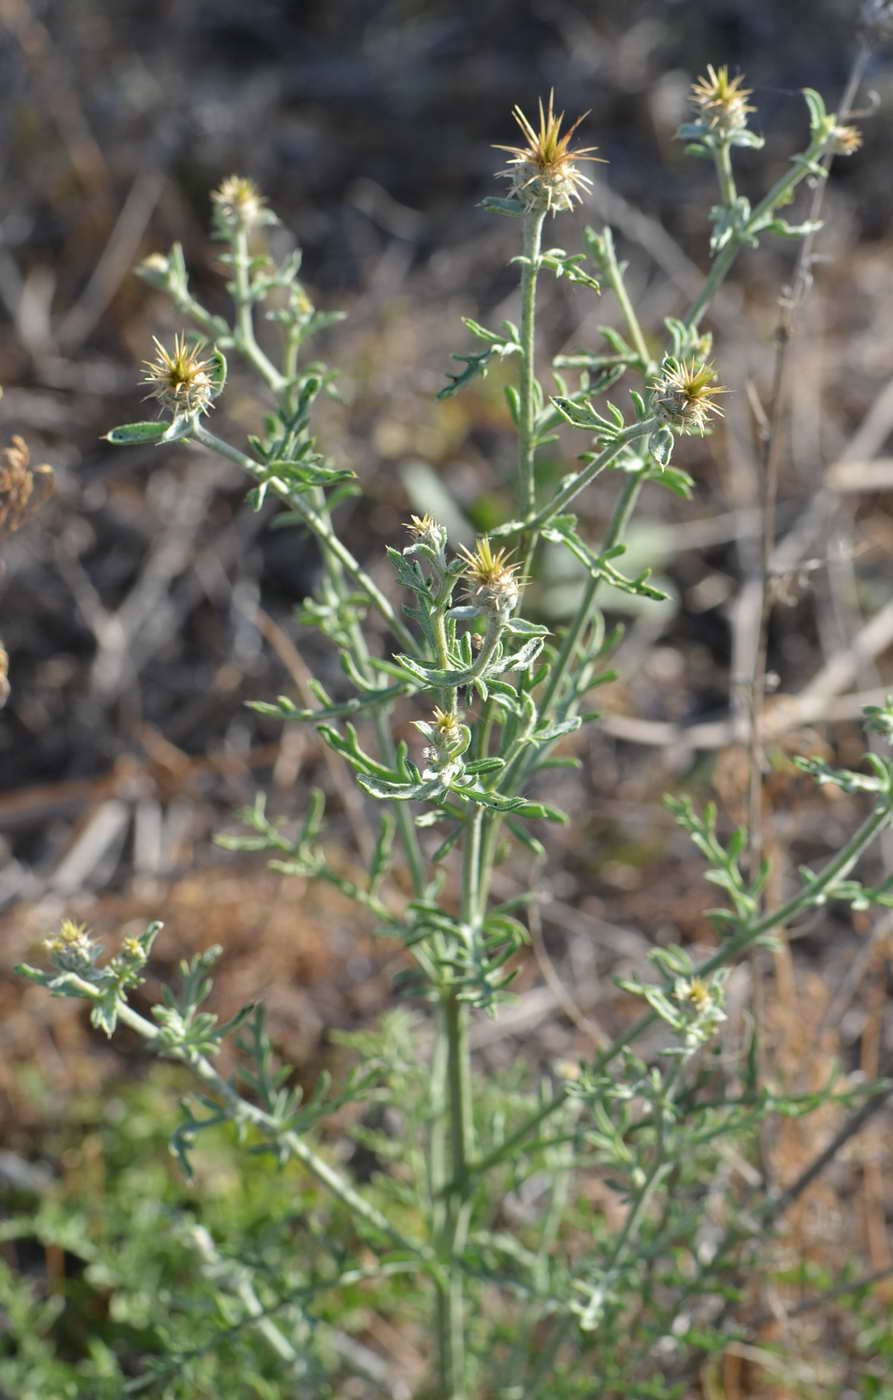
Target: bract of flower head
721,101
543,172
492,583
683,396
180,379
239,204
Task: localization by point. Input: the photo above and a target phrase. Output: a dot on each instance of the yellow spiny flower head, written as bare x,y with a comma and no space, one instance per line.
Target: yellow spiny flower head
683,396
845,140
448,738
492,582
445,723
428,541
424,528
721,101
179,379
239,204
543,173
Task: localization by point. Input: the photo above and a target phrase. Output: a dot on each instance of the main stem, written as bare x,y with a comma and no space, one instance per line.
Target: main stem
452,1144
453,1138
526,486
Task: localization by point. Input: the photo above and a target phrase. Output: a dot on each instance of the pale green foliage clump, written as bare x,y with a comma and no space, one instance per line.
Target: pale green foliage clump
474,1233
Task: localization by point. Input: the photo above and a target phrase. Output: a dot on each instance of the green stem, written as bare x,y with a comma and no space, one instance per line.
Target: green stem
614,274
531,243
660,1168
778,195
591,470
456,1061
248,1114
519,764
244,338
722,159
318,524
620,517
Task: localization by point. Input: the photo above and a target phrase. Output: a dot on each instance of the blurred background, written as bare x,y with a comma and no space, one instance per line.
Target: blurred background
141,606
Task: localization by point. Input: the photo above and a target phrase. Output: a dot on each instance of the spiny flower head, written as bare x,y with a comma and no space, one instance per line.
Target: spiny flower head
239,205
694,991
492,582
683,396
445,722
448,738
22,487
429,540
721,100
701,1004
426,531
845,140
542,172
179,379
421,526
71,947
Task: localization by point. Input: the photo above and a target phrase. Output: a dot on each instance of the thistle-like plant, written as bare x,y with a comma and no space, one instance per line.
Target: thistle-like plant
551,1301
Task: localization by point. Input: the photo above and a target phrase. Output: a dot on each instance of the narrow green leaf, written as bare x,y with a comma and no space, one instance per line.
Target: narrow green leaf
130,434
